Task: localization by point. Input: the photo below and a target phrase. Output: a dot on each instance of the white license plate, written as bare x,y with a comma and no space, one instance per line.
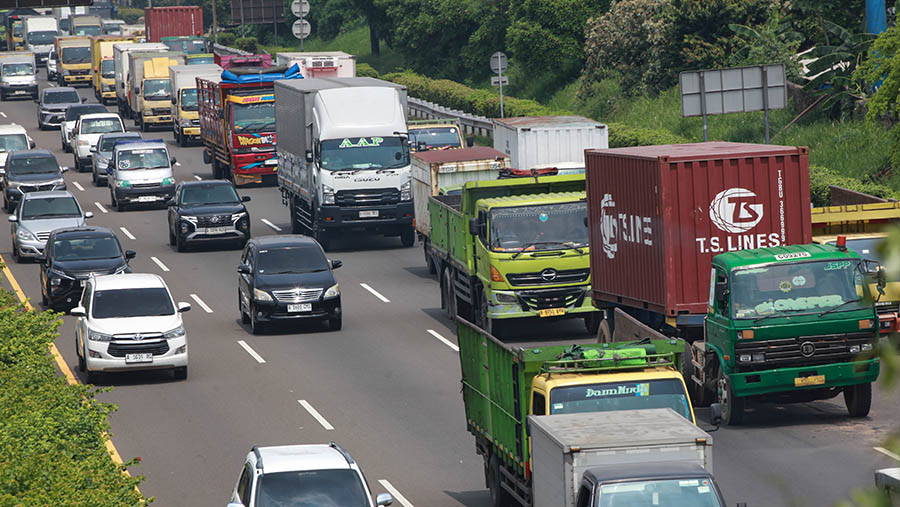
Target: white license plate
272,161
215,230
368,214
301,307
146,198
139,358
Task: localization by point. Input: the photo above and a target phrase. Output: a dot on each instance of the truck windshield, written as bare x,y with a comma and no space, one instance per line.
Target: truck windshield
150,158
201,60
157,89
541,227
313,488
18,69
41,38
695,492
13,142
87,30
609,396
108,69
798,287
64,24
254,118
435,137
364,153
77,54
189,99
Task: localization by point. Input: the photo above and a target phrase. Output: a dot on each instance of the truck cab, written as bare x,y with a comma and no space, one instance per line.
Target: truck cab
85,25
17,75
40,31
427,135
74,54
186,44
185,108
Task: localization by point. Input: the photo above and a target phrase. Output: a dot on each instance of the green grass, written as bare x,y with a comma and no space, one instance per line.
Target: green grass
354,42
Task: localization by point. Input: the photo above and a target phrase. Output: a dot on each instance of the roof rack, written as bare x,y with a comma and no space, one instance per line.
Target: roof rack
256,453
341,450
609,364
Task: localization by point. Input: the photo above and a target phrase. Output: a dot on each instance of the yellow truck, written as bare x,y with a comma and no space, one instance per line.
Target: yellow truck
864,226
151,94
74,53
103,70
436,134
185,111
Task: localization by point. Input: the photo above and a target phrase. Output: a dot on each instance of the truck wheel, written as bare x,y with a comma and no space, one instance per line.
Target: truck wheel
492,326
604,335
699,395
858,399
408,237
217,169
592,322
732,406
429,261
499,496
449,295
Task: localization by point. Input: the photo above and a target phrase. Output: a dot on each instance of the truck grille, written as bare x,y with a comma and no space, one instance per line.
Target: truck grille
549,276
36,188
159,111
79,72
797,351
550,298
369,197
214,220
297,295
118,349
145,185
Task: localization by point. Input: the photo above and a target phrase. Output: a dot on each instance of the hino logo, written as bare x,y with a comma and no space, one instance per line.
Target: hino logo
548,275
808,349
734,210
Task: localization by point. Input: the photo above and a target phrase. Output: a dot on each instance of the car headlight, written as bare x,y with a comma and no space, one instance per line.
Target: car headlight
333,291
190,219
327,195
55,273
59,184
178,332
95,336
25,235
405,192
168,181
261,295
101,161
123,184
121,269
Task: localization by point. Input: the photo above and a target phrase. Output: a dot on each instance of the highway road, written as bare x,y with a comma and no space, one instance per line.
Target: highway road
386,387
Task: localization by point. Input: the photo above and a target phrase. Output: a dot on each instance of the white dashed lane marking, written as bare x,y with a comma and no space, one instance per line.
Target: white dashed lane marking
159,263
101,208
78,186
374,292
270,224
200,302
127,233
394,493
447,342
252,352
315,413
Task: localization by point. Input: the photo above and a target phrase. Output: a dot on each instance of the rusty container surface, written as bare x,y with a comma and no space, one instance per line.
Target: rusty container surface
172,22
658,215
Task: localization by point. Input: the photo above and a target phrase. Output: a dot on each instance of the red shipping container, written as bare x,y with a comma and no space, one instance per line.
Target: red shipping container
172,22
658,214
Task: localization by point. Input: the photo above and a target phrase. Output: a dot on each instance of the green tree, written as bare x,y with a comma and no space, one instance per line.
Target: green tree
771,42
376,19
883,64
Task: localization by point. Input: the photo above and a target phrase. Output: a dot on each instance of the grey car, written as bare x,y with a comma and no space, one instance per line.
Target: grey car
38,214
103,152
29,171
52,105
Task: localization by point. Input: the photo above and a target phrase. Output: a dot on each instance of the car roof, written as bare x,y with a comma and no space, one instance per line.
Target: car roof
128,281
12,128
283,240
83,232
99,115
39,153
646,471
204,183
294,458
75,108
57,89
54,194
139,144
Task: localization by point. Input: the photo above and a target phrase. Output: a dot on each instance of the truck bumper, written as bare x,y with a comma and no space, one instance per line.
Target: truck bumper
783,379
31,89
571,301
147,195
111,95
158,120
191,131
80,79
386,219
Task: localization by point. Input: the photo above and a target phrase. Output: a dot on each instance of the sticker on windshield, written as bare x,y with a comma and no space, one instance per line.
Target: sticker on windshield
785,286
362,143
124,164
558,406
140,152
543,217
837,265
799,280
635,390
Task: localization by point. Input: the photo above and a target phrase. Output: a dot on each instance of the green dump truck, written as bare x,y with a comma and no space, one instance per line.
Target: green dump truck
503,384
512,248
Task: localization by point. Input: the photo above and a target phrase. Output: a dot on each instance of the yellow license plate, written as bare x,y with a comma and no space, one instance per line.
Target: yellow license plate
552,312
815,380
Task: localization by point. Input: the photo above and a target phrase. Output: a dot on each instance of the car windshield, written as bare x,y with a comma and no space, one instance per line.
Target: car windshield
62,97
201,60
107,142
75,112
18,69
87,30
610,396
311,488
294,259
41,38
435,137
76,54
85,249
108,69
361,153
148,158
157,89
692,492
209,194
541,227
32,165
50,207
13,142
119,303
254,118
64,24
798,287
101,125
189,99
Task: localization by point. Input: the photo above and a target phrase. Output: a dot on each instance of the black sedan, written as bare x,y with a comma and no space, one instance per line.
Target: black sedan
203,211
284,278
72,256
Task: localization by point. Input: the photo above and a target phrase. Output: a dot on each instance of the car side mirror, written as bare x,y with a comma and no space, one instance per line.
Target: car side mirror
64,169
243,269
12,218
245,198
130,254
470,141
336,263
93,149
31,143
473,226
715,414
88,214
78,311
384,499
172,160
184,307
170,202
309,155
83,99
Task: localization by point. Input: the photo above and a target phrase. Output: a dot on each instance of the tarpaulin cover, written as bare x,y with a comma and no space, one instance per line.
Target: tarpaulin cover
260,75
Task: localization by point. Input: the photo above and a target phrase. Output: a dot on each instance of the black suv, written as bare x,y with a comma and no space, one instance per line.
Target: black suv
29,171
72,256
287,278
207,211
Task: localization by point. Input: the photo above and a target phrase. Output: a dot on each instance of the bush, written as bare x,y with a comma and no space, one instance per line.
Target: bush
621,136
52,434
822,178
366,70
226,39
130,15
248,44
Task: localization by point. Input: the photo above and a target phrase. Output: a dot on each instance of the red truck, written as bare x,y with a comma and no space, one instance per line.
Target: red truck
232,61
162,22
237,123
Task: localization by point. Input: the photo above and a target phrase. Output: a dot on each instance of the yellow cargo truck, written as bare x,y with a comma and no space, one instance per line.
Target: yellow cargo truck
103,70
185,110
151,94
74,55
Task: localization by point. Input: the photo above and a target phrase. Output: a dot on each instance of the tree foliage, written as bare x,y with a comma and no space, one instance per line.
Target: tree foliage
774,41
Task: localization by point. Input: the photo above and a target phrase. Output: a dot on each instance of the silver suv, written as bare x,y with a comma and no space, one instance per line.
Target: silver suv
39,214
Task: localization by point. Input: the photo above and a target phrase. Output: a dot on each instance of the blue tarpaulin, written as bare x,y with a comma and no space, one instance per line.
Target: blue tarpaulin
258,75
876,16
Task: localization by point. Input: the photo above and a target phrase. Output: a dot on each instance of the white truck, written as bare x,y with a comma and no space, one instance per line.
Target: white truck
534,142
185,116
343,157
40,31
321,64
64,15
17,74
624,457
120,59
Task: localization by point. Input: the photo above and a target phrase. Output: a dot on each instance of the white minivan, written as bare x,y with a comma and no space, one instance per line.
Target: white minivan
140,172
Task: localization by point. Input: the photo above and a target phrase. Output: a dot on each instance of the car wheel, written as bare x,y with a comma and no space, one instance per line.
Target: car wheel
92,376
171,237
335,323
44,301
256,327
245,319
180,373
180,244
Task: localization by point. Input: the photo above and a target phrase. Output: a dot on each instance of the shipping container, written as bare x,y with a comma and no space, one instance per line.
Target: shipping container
546,141
172,21
232,61
658,214
320,64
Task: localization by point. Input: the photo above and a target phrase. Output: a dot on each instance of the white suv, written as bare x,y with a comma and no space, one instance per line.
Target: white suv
315,474
129,322
87,132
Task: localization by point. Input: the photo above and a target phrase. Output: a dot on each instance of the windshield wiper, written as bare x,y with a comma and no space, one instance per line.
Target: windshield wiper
845,303
777,314
571,244
536,243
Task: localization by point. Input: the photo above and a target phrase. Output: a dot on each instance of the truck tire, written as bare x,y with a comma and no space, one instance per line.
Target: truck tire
592,322
408,237
858,399
492,326
604,335
429,260
732,406
217,169
449,294
499,496
699,395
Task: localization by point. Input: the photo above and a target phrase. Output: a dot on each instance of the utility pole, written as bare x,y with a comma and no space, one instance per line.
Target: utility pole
215,25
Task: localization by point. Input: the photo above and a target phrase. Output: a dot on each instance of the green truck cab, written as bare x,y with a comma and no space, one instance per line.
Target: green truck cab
787,324
513,248
502,385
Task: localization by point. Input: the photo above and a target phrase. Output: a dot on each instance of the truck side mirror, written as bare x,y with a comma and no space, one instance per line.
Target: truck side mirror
83,99
880,279
470,141
309,155
474,226
721,293
173,100
421,146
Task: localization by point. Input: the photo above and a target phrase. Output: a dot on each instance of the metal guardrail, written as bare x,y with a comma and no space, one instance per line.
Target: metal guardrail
225,50
471,124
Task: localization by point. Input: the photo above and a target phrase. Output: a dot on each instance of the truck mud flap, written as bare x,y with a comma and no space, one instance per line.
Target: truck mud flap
520,491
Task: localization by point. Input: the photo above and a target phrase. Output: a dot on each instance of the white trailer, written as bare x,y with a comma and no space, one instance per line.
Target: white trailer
321,64
548,141
120,57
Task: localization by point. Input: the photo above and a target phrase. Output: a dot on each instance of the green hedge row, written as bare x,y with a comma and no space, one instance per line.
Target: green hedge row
822,178
621,136
52,443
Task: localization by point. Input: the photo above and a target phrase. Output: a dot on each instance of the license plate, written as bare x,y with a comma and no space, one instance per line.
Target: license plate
301,307
216,230
552,312
272,161
146,198
815,380
368,214
139,358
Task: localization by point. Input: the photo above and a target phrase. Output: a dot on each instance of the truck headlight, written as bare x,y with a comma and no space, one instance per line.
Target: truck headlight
123,184
405,192
327,195
185,123
178,332
168,181
261,295
505,298
84,142
333,291
95,336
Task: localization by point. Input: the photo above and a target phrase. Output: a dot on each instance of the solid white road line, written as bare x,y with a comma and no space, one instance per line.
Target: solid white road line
100,206
447,342
200,302
127,233
198,178
374,292
78,186
252,352
159,263
309,408
887,453
394,493
270,224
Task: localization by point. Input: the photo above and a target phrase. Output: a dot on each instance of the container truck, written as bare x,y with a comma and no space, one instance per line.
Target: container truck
233,61
18,74
162,22
502,385
237,122
710,242
74,55
103,68
546,141
123,71
343,157
575,455
151,90
85,25
40,31
320,64
185,115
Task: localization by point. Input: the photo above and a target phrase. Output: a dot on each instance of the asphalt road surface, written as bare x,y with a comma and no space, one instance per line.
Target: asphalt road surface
386,387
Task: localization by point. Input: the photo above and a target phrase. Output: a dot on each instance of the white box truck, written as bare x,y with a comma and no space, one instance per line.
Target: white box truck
120,62
343,157
320,64
17,74
534,142
40,31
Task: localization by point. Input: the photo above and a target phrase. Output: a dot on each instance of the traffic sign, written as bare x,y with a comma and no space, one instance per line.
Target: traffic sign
498,62
300,8
497,80
301,29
